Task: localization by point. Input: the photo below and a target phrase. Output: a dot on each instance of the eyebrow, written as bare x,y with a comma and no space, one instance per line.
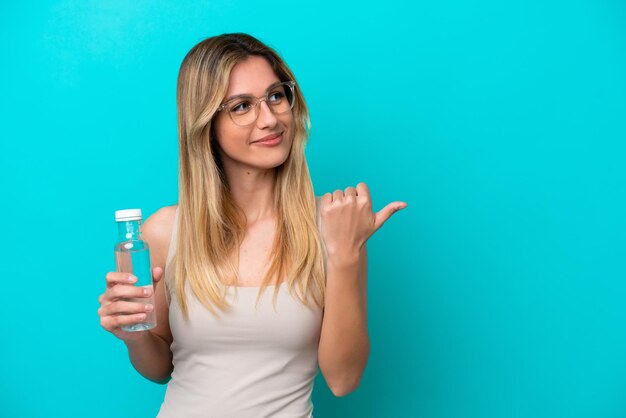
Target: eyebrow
237,96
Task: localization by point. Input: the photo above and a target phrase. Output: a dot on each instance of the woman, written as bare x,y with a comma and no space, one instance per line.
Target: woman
248,226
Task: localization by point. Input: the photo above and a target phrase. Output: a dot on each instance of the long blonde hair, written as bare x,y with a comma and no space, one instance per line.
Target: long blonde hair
211,226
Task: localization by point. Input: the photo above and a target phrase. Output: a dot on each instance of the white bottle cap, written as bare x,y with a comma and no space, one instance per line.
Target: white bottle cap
127,215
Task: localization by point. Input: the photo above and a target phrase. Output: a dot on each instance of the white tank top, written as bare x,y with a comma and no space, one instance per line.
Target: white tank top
246,363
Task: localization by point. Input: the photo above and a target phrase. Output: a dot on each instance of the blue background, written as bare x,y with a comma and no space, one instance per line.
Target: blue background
499,291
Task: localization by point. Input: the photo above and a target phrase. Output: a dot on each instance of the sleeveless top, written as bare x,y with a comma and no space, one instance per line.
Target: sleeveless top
248,361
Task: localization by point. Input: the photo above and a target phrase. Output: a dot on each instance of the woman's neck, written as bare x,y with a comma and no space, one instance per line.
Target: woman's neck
253,192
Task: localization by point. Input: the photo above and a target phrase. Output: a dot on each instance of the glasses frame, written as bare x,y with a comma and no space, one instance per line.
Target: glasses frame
257,101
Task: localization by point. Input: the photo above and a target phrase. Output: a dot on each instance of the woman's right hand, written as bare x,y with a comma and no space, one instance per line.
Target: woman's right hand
115,312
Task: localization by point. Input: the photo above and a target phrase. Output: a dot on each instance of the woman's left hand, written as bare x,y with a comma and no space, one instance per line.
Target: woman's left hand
348,220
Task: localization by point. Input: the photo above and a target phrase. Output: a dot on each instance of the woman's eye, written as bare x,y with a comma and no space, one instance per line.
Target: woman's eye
241,107
276,96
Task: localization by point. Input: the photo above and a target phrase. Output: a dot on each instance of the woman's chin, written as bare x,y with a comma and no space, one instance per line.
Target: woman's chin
273,161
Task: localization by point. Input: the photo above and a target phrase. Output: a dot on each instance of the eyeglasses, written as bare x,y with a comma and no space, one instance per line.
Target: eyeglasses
244,109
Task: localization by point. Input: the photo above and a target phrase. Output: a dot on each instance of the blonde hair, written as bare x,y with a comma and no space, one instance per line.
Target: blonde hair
211,226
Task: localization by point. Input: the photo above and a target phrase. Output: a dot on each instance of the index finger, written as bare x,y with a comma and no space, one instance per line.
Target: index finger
363,191
114,277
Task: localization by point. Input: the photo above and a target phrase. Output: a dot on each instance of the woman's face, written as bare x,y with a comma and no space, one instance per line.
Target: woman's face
238,146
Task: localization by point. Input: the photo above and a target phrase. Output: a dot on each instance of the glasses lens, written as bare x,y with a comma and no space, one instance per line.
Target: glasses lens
280,98
243,111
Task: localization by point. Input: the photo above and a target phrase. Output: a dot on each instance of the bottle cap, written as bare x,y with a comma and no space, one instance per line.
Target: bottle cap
127,215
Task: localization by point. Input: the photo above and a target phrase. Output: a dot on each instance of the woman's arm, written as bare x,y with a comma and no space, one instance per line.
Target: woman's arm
344,342
150,355
347,221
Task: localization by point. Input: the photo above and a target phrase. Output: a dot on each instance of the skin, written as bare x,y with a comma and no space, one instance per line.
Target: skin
347,223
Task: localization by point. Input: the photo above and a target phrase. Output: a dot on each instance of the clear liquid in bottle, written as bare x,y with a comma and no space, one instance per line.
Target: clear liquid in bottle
132,255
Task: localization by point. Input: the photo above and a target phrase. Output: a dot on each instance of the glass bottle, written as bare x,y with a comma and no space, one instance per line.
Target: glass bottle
132,255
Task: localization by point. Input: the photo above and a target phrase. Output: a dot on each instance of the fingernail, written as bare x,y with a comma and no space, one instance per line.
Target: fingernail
149,308
145,292
132,279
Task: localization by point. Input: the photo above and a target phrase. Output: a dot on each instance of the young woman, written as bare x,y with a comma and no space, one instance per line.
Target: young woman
262,281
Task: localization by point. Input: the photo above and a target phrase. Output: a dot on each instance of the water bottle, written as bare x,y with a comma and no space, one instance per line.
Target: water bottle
132,255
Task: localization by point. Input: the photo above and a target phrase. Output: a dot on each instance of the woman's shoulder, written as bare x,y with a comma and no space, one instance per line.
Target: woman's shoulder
157,231
160,222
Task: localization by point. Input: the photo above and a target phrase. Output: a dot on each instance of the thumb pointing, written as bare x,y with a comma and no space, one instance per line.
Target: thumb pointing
385,213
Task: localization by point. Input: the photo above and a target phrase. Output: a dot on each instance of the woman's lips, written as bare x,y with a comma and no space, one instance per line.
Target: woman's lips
271,141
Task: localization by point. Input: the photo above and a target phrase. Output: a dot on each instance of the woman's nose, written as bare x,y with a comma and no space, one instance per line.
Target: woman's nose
266,117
